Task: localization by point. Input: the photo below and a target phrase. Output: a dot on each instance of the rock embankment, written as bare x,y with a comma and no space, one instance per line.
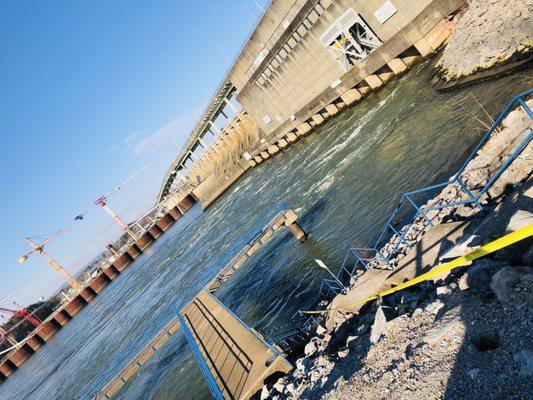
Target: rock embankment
466,336
489,34
461,342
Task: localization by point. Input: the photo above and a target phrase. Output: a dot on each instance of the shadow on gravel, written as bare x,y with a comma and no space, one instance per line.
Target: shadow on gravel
487,365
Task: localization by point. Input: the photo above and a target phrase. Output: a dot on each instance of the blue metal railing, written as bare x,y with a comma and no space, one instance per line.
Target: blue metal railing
204,368
376,256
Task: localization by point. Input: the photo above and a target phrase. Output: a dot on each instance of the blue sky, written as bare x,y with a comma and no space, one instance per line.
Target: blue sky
90,92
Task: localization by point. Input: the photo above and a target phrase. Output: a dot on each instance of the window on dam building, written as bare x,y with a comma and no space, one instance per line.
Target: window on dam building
349,39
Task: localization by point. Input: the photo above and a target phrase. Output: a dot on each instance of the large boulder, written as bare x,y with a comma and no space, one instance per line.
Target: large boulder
490,33
478,277
380,326
504,281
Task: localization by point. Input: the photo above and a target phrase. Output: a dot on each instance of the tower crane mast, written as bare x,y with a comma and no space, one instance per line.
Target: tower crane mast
39,249
102,202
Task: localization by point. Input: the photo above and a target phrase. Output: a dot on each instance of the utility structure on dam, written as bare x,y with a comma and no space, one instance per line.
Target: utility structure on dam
305,61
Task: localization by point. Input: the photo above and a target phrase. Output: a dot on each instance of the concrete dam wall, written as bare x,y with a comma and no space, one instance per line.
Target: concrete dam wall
304,63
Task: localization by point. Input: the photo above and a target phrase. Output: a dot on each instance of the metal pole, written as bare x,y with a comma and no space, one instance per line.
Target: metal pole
322,265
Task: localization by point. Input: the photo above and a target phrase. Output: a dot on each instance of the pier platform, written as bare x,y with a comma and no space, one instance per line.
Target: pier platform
285,218
233,358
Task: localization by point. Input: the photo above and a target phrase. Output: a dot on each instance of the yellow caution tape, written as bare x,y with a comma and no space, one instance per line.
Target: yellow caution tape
498,244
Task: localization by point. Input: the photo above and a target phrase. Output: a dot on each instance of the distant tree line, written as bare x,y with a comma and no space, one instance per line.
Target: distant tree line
22,328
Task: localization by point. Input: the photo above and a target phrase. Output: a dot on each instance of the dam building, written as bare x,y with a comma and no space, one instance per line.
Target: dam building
302,52
304,62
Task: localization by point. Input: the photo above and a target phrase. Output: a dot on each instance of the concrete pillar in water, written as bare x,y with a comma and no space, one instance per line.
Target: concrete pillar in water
7,368
318,119
397,66
373,81
303,129
410,56
20,355
175,213
351,96
47,329
385,73
165,222
332,109
155,231
35,342
186,203
297,231
134,251
111,272
88,294
62,317
75,305
99,282
273,149
122,262
144,241
424,47
282,143
291,137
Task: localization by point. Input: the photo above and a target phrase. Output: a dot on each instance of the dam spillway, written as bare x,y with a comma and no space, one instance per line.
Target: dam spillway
401,137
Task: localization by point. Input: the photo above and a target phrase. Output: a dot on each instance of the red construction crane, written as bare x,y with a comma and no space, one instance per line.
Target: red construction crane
24,314
5,335
102,201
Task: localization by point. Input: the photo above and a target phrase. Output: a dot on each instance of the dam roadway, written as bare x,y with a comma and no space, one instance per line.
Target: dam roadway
339,180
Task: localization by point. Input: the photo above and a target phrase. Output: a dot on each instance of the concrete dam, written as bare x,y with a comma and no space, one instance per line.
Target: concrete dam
339,92
303,63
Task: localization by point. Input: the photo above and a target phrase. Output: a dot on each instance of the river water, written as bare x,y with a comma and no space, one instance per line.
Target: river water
343,180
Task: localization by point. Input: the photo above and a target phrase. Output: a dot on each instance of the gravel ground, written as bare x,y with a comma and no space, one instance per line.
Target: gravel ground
466,351
460,342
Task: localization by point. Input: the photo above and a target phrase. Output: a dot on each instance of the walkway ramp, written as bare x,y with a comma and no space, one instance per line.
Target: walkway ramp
285,218
233,358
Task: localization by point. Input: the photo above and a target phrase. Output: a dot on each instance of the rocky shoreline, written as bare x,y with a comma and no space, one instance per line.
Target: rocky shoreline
491,34
467,335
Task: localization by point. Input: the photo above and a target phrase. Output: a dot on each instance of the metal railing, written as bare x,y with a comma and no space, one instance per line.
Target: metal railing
376,256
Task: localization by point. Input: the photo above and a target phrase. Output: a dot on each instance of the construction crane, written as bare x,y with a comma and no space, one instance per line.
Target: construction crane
4,335
22,313
39,249
102,202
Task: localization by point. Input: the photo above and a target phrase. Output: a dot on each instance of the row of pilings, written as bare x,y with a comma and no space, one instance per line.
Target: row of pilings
44,332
